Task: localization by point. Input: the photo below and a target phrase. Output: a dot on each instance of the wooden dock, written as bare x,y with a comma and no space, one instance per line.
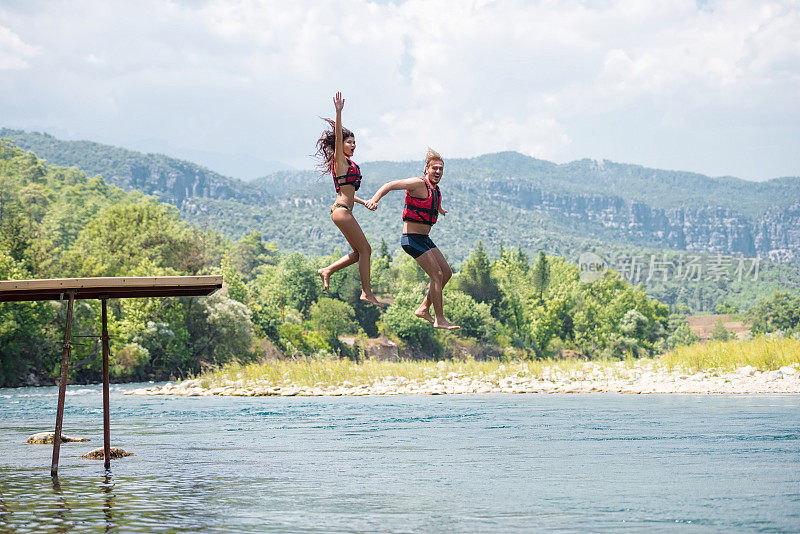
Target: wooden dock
109,287
102,288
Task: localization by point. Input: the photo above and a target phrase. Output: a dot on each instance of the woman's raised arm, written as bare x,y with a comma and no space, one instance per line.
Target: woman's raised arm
339,161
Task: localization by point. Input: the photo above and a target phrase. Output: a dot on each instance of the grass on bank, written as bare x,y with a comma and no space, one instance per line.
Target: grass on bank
311,372
763,353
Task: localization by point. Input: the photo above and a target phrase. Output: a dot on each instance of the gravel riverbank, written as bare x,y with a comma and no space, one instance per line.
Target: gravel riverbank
640,378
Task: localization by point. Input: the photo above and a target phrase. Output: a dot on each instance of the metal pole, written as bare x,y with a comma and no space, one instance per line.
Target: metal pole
62,386
106,401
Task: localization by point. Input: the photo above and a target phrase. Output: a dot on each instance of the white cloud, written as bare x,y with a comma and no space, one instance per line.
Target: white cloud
14,52
710,52
468,77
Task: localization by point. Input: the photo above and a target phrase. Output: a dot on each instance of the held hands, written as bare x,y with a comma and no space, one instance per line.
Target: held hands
371,204
338,101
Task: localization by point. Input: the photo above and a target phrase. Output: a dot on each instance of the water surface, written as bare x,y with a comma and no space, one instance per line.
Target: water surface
465,463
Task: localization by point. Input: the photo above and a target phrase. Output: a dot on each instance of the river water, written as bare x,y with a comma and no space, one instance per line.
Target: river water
462,463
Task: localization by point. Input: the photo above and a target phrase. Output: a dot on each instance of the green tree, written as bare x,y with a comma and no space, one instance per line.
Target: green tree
250,254
600,309
540,276
298,282
345,285
475,279
384,250
296,341
474,318
266,303
124,236
25,344
726,308
333,318
633,329
549,322
410,274
221,330
511,271
781,313
233,280
400,320
382,274
719,332
679,332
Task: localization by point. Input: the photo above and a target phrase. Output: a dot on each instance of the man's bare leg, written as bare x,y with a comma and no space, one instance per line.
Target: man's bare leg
424,310
430,264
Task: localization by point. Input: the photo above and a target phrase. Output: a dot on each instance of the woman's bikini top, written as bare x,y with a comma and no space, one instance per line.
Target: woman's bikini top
352,177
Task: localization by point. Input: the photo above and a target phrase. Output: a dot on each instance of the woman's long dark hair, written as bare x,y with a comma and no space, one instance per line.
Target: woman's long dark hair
326,145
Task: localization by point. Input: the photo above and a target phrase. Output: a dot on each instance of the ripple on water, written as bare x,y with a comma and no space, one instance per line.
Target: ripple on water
406,464
36,503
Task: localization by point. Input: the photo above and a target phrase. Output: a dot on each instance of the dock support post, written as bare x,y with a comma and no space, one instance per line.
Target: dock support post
62,386
106,400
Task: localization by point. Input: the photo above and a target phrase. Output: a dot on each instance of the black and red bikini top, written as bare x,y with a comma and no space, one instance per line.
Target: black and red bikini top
352,177
423,210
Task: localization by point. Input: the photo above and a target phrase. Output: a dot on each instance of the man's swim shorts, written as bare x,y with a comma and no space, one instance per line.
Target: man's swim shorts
416,245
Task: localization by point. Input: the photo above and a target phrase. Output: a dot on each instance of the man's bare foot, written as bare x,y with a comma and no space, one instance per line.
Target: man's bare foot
372,300
424,314
326,276
444,324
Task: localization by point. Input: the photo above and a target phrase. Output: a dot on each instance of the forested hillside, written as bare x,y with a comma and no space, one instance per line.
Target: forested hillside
541,205
508,197
57,222
623,213
170,180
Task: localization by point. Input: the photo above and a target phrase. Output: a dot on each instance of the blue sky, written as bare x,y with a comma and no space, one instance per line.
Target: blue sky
710,87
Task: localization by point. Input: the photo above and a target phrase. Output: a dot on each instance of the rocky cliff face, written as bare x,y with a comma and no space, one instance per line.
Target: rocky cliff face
176,182
774,235
778,232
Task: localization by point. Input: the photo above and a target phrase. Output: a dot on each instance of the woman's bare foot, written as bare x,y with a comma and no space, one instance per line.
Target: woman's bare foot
424,313
326,276
445,324
371,299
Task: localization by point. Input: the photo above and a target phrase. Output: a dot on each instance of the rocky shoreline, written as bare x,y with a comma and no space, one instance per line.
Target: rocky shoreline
641,378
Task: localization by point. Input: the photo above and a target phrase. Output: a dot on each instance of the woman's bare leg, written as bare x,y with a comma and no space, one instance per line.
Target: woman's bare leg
423,312
430,264
345,261
363,252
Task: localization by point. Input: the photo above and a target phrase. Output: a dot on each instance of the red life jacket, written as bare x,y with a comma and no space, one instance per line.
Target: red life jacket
352,177
423,210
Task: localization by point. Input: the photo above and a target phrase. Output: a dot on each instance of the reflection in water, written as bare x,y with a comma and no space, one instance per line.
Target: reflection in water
3,508
86,502
60,508
108,485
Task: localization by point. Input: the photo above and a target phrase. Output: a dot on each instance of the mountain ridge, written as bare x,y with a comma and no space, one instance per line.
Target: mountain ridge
557,207
169,179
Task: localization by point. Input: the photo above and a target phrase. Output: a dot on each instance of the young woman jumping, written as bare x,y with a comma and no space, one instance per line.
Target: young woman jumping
335,148
423,207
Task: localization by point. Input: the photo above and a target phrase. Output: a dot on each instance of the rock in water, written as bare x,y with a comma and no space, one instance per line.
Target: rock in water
99,453
47,437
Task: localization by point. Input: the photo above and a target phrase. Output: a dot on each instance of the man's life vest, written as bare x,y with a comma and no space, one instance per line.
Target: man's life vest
423,210
352,177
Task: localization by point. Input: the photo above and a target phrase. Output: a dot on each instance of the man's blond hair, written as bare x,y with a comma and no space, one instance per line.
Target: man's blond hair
432,155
